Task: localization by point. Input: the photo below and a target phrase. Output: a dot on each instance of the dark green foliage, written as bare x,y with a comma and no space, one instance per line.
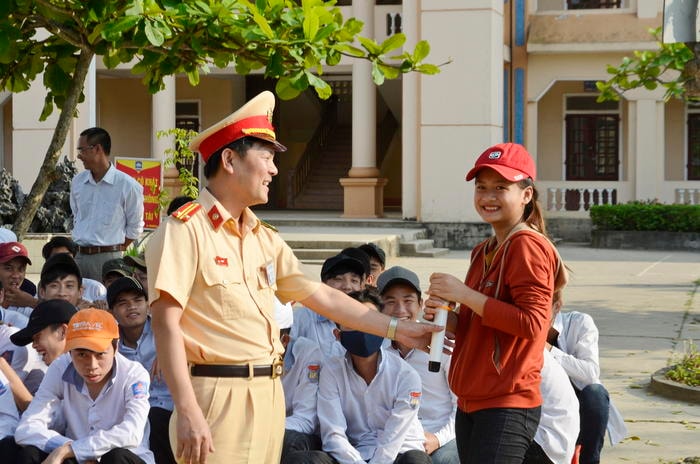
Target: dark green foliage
646,216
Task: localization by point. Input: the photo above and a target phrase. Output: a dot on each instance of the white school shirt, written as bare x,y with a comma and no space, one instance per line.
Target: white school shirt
375,422
319,330
9,416
93,290
24,360
302,366
559,423
106,212
15,316
578,355
438,404
63,411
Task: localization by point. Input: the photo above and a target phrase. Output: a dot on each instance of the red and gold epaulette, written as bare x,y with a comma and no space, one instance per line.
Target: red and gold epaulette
185,212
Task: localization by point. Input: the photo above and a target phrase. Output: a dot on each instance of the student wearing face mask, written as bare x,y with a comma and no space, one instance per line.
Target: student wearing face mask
368,403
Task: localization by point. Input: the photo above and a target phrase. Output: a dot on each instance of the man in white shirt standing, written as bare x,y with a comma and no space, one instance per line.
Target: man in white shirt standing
401,295
107,205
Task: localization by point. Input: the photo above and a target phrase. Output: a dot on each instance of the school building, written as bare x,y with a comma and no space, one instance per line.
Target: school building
521,71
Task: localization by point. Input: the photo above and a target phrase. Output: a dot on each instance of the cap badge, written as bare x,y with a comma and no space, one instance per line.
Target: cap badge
495,155
269,114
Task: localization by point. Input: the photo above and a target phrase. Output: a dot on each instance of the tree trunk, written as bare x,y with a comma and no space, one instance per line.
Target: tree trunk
691,73
47,172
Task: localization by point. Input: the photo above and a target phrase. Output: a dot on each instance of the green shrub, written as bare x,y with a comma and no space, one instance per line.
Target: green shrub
646,216
687,370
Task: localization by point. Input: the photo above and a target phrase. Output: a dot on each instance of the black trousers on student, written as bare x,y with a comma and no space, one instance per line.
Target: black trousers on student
321,457
8,449
33,455
159,439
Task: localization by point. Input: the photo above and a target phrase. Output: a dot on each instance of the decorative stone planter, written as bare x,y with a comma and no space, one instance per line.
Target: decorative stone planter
675,390
645,240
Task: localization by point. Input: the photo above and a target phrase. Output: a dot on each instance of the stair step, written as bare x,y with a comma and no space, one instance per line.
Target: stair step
421,247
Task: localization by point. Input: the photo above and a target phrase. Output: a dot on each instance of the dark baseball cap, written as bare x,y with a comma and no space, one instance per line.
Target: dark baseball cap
397,274
373,251
121,285
340,264
116,265
359,255
46,313
138,261
63,262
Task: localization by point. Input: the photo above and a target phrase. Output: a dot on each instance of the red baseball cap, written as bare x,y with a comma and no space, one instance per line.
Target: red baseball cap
511,160
12,250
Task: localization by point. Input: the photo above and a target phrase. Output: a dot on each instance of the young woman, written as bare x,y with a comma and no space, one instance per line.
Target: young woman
504,308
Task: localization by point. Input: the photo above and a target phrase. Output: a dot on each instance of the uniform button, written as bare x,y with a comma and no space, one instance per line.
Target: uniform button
225,282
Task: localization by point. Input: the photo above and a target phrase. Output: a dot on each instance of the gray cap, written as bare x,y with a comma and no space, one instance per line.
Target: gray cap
397,274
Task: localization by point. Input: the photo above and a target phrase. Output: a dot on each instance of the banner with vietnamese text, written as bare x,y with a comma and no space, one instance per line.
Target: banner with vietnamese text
148,173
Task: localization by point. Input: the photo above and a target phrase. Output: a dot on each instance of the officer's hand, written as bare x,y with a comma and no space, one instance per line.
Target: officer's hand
194,441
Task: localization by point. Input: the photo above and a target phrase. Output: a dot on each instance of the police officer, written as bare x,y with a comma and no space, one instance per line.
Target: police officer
214,269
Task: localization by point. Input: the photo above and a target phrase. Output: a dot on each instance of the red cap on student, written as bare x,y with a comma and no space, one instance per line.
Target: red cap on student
511,160
251,120
12,250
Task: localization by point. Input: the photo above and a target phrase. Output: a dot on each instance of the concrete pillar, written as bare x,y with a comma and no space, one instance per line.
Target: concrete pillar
362,189
410,135
646,144
163,118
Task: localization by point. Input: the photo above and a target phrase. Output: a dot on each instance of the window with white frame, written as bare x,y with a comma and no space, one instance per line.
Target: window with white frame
592,4
592,138
693,159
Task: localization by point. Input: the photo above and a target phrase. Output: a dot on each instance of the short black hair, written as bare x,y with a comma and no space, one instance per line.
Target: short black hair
98,136
240,146
59,242
177,202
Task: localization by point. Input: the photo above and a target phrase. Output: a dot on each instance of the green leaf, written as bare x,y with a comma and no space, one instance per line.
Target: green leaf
193,77
377,75
56,79
392,43
429,69
323,90
421,51
285,90
650,85
47,109
310,24
389,72
113,31
154,35
264,25
370,45
350,50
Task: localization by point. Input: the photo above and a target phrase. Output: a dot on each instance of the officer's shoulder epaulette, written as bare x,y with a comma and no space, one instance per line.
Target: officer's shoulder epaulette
268,225
185,212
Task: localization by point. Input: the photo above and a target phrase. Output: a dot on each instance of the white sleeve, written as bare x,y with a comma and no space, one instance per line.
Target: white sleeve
304,416
40,421
128,433
405,411
9,416
133,211
580,361
333,423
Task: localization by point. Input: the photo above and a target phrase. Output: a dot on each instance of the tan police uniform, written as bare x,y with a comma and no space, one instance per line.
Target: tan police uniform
225,279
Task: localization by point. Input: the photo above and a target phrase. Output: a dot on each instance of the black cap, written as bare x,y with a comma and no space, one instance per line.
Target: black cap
395,275
373,251
63,262
138,261
115,265
46,313
360,256
340,264
121,285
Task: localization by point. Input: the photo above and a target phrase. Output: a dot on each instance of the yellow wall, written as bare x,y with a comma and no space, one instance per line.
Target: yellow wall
124,110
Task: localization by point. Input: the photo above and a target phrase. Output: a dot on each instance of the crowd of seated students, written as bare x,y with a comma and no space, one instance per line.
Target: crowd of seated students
351,396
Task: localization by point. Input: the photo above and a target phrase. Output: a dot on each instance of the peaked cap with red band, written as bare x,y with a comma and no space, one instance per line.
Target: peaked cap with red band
250,120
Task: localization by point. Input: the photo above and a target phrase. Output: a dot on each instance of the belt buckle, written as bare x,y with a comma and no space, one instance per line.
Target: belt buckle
277,368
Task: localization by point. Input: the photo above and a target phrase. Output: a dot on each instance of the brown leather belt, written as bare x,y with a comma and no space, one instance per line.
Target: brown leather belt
93,250
219,370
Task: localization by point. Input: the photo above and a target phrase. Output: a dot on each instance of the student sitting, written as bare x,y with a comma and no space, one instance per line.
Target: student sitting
368,403
93,290
302,367
17,305
92,404
401,296
129,306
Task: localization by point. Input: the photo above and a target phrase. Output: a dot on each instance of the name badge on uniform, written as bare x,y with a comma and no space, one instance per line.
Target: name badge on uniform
271,273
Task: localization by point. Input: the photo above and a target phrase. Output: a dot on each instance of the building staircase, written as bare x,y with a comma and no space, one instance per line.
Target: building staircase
322,190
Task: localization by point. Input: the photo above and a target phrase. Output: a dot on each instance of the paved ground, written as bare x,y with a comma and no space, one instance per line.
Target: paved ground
644,303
